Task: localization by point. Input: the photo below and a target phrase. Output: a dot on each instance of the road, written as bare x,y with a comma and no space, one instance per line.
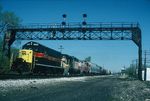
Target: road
90,88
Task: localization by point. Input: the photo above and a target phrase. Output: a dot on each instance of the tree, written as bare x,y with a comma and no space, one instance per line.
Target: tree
88,59
131,71
0,13
7,18
10,18
0,19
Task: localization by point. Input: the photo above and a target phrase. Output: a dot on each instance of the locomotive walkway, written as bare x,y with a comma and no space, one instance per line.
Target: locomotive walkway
91,88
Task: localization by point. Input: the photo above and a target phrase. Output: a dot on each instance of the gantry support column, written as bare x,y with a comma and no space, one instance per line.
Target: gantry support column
140,61
137,39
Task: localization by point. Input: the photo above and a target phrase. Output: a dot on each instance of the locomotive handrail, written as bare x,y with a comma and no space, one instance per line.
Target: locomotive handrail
76,25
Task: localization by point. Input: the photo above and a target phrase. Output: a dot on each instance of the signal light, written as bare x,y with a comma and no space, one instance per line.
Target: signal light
84,23
84,19
64,18
63,23
84,15
64,15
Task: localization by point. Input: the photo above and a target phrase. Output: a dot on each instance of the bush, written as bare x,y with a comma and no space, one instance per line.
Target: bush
131,71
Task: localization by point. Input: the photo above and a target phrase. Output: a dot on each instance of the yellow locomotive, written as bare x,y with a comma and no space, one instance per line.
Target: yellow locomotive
36,58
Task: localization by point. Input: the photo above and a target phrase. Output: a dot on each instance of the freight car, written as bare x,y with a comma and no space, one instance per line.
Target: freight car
95,69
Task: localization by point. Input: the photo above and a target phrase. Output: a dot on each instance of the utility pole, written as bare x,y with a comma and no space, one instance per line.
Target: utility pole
136,70
145,65
134,66
61,48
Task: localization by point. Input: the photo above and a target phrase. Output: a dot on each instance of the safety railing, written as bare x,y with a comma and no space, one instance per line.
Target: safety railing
76,25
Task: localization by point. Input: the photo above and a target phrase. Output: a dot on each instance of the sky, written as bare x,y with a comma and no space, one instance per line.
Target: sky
112,55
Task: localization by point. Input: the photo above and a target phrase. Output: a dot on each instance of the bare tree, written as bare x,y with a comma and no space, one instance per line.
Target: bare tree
7,18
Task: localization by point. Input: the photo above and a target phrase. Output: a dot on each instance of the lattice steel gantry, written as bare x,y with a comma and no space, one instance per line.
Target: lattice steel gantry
77,31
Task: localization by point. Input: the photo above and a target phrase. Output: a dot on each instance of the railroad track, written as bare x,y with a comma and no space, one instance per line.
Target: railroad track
28,76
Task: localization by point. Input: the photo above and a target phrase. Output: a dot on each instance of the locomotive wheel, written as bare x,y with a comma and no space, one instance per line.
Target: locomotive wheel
20,69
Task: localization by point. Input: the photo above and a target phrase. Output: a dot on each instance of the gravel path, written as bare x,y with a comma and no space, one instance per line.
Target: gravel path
91,88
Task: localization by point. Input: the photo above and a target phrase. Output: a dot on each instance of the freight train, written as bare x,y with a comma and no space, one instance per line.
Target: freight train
38,59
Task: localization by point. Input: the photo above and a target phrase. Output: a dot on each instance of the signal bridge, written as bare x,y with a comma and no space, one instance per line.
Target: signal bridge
76,31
